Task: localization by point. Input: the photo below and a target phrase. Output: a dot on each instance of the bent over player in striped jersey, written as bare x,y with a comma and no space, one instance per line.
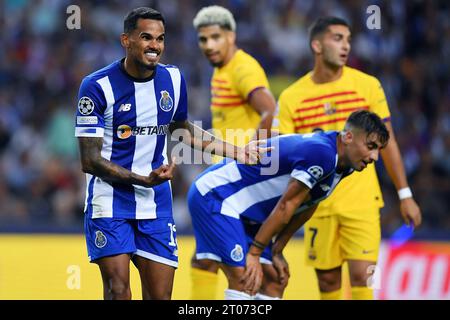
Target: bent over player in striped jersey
237,209
125,112
346,226
242,107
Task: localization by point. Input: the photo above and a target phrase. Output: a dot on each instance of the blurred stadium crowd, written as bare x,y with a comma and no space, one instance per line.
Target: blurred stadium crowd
42,64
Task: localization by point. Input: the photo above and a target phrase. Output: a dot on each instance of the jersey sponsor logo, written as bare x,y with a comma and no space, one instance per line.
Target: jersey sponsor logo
124,131
325,187
237,254
124,107
85,106
329,108
87,120
100,239
166,102
316,172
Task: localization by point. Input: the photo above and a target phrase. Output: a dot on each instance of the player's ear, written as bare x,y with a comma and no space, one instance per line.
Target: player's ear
316,46
124,40
231,37
347,136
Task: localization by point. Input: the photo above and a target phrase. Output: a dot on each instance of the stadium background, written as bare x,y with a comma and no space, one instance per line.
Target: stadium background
42,188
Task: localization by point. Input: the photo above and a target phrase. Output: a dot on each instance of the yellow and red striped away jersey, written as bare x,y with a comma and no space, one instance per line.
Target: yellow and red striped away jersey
233,119
305,106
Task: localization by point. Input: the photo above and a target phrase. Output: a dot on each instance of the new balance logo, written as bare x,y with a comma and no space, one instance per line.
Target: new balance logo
367,251
125,107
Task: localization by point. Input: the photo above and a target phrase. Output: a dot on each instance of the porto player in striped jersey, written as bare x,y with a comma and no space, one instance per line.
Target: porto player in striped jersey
346,226
125,112
237,209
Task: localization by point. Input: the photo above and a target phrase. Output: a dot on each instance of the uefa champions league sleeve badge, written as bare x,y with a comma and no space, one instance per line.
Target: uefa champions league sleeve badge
85,106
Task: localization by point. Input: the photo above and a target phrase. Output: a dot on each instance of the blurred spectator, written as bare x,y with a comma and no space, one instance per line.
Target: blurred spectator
42,64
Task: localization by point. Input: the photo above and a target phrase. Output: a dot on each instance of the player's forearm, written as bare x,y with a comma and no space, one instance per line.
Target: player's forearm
200,139
393,163
297,221
264,128
93,163
111,172
276,222
264,103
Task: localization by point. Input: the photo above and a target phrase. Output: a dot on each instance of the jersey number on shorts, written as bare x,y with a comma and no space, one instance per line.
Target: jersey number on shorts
173,230
314,231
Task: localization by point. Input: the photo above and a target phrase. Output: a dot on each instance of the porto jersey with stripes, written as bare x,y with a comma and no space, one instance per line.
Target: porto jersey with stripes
253,191
132,116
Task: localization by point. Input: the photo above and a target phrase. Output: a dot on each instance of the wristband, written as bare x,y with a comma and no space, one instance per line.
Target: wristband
404,193
258,244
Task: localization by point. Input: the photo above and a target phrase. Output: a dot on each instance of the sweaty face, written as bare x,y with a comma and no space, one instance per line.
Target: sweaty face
146,43
362,150
336,45
216,44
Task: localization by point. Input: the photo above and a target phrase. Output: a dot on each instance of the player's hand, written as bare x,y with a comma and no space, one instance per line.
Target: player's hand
282,267
160,175
410,212
252,152
252,278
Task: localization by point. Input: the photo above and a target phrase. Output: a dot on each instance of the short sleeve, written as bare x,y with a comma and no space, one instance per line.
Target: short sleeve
249,77
181,113
314,164
91,107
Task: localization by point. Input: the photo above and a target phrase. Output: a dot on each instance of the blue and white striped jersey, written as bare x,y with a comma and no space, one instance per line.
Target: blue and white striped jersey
133,117
253,191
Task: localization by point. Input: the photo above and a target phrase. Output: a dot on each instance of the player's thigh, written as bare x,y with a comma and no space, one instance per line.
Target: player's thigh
361,235
322,242
108,237
156,278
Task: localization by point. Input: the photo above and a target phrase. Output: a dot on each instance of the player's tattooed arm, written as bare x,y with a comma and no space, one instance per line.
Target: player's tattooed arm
93,163
197,138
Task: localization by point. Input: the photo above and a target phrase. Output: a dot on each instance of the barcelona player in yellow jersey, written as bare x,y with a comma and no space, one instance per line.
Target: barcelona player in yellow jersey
242,106
346,226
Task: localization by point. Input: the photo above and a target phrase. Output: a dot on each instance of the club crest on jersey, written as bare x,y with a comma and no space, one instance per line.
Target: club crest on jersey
237,254
316,172
85,106
329,108
166,102
100,239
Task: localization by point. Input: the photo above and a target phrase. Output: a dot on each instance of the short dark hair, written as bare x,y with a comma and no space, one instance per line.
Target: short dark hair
130,21
369,122
321,25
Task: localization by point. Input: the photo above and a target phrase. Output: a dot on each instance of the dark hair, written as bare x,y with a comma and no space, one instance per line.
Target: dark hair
321,25
130,22
370,123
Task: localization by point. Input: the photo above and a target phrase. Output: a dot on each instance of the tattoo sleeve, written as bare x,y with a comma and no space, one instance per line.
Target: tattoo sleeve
200,139
93,163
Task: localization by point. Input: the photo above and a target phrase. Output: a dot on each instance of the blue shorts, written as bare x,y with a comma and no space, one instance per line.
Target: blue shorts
154,239
219,237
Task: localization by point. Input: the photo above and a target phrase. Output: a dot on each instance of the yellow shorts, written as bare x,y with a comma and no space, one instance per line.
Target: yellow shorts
331,240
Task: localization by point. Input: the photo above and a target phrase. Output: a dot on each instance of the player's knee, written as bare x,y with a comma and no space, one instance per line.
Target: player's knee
205,264
329,281
118,289
359,278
